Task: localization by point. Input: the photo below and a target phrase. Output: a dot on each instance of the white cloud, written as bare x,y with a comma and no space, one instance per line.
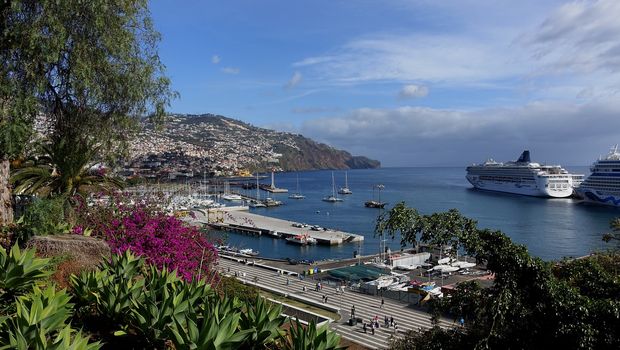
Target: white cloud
215,59
294,81
413,91
579,37
416,57
231,70
565,133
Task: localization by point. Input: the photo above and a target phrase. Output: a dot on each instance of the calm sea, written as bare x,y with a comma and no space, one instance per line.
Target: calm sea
550,228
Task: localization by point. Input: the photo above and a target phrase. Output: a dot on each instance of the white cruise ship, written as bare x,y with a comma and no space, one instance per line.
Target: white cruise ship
522,177
603,185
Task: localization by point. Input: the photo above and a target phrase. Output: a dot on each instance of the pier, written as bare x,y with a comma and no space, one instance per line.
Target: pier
238,219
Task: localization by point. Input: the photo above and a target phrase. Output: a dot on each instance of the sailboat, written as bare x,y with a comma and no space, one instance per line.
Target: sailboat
256,203
297,195
375,203
345,189
333,198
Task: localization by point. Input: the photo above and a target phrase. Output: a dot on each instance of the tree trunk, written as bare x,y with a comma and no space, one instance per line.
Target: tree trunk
6,204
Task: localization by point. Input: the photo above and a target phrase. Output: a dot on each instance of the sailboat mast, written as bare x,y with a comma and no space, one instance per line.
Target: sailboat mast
333,186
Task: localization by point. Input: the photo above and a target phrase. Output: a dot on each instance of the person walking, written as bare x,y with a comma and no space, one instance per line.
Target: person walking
382,302
352,311
372,330
303,289
364,327
391,320
326,299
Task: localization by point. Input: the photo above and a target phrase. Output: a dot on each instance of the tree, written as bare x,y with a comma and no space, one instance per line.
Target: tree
531,304
614,235
90,68
64,169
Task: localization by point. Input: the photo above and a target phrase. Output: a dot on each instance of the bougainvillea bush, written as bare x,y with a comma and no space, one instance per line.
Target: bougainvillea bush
129,223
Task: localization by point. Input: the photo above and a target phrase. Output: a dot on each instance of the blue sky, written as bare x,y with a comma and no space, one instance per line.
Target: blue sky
411,83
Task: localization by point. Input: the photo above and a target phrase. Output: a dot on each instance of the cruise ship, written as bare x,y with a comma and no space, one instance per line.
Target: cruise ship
603,185
522,177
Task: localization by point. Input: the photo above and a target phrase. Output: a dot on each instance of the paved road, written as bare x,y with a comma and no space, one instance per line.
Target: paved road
366,306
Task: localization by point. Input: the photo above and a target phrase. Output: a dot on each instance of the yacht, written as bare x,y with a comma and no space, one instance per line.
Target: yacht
522,177
376,203
332,198
603,185
297,195
345,189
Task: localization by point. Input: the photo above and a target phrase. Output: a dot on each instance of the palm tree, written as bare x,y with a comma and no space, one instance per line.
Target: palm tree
65,168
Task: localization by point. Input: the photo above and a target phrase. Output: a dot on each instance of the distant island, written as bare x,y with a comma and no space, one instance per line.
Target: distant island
225,146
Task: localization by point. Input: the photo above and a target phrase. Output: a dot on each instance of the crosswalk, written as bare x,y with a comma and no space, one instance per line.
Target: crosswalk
367,307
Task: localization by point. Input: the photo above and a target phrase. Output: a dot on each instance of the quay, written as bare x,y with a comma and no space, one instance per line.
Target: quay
238,219
367,307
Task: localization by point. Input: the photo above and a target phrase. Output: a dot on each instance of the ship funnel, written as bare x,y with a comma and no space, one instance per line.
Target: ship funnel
525,157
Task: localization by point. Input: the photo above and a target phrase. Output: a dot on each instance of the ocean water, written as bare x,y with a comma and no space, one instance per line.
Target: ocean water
550,228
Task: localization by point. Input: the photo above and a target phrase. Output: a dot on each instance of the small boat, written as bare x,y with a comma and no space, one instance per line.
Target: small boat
375,203
270,202
301,240
248,251
297,195
332,198
232,197
345,189
256,204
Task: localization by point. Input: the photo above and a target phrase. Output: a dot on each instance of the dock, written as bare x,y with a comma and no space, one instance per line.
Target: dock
239,219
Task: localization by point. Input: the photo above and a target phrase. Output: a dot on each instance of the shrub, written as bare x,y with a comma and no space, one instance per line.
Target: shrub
43,217
165,241
40,322
19,270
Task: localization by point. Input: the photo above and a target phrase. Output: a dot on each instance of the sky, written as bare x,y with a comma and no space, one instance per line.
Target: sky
407,82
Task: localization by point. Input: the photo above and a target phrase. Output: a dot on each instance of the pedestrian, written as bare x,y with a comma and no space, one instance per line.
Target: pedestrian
326,299
386,322
287,281
391,320
372,329
352,311
364,327
303,289
382,302
462,322
323,298
395,327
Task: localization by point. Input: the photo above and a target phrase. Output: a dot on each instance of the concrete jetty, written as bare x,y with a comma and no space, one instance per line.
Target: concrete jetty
238,219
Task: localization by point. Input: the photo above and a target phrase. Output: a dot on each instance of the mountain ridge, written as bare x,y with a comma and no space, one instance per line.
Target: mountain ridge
233,144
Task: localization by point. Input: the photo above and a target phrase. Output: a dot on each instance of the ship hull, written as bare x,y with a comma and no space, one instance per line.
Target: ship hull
597,197
538,189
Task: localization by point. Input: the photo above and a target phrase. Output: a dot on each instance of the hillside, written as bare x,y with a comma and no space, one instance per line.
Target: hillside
231,144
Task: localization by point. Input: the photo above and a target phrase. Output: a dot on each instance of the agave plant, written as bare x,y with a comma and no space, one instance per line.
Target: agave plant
18,271
65,168
40,323
216,328
263,320
311,337
114,289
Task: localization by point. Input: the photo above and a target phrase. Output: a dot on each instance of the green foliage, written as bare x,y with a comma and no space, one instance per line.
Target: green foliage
531,304
114,288
311,337
64,169
19,270
400,220
40,323
14,133
264,321
231,287
43,217
215,326
614,235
